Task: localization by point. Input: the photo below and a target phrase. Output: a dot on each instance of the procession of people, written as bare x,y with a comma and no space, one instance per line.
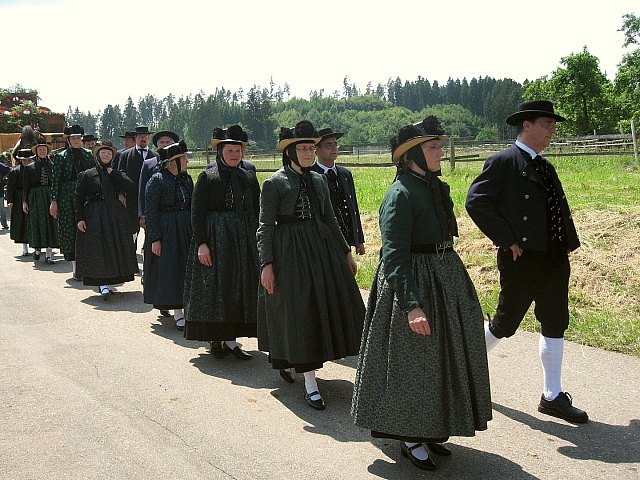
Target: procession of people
231,259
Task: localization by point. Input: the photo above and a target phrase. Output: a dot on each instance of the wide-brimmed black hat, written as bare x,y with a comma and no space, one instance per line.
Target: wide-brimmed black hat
534,109
97,148
41,143
88,137
328,132
232,134
73,131
304,131
164,133
411,135
24,154
128,135
142,129
173,151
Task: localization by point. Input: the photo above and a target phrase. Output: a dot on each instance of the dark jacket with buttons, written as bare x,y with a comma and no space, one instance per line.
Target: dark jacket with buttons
508,202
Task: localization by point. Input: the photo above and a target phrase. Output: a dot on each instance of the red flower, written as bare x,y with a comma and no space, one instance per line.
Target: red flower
15,114
42,111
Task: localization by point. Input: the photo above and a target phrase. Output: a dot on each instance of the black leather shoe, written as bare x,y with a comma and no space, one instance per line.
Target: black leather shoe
48,261
317,404
165,313
237,352
217,351
104,292
36,255
423,464
287,375
562,407
438,449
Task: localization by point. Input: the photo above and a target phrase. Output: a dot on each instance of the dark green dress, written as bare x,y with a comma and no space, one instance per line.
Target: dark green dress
408,386
67,164
316,312
43,228
19,228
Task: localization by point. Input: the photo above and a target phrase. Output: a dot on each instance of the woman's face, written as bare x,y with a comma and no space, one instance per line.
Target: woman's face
232,154
75,141
105,155
41,151
433,153
306,153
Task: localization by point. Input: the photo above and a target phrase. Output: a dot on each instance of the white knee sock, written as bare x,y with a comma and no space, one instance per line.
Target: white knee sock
25,248
73,267
177,313
550,350
420,453
489,338
48,254
310,383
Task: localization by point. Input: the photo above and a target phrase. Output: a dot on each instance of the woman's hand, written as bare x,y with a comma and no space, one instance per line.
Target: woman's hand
268,279
418,322
204,255
25,207
352,263
53,209
156,248
82,226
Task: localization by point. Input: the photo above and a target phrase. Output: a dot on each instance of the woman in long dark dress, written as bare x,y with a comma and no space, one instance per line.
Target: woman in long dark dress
19,230
67,164
221,285
168,231
105,254
310,310
422,374
43,231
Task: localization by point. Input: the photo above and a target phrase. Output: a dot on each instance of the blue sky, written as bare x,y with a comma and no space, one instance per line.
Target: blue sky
90,54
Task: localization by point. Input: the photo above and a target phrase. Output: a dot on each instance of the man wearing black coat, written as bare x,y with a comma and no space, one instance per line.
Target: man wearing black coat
519,203
130,162
341,188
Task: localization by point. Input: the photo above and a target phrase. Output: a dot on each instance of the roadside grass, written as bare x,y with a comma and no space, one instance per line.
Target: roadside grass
604,195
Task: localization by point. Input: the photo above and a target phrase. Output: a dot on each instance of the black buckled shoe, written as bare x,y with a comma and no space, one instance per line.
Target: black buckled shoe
165,313
237,352
217,350
562,407
438,449
287,376
318,403
423,464
36,255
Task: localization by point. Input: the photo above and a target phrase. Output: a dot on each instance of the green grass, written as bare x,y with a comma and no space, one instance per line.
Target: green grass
604,194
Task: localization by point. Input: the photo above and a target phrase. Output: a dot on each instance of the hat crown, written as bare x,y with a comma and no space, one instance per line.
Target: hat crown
173,150
73,130
302,129
534,109
140,129
233,133
24,153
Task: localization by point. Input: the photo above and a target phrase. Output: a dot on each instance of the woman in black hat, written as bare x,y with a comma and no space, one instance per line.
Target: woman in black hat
422,374
43,231
67,164
221,285
105,253
19,231
168,231
310,309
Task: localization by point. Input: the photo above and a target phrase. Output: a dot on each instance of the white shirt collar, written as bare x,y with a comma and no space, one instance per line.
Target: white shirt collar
325,168
527,149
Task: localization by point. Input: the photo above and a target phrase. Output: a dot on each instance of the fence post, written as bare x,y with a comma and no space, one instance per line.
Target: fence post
452,155
635,140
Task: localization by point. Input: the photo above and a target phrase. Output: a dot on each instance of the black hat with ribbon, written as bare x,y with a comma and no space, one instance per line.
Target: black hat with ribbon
233,134
164,133
73,131
534,109
328,132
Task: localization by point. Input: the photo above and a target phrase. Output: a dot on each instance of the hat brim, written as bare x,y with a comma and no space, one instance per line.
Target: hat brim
164,133
35,148
283,144
97,148
215,142
523,115
409,144
332,134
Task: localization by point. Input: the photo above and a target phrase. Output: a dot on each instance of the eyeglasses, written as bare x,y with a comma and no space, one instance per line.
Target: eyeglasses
304,148
548,125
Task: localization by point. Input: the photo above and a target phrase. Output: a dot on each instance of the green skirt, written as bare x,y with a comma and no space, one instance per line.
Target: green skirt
43,231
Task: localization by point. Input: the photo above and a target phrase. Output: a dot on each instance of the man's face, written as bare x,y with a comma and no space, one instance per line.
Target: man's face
89,144
164,141
327,151
142,140
539,132
129,142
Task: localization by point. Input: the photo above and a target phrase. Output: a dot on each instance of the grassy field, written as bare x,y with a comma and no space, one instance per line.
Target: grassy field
604,194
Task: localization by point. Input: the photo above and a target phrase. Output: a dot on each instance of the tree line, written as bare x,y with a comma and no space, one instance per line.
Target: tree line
475,109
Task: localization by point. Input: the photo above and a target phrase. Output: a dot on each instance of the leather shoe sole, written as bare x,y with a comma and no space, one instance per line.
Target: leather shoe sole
423,464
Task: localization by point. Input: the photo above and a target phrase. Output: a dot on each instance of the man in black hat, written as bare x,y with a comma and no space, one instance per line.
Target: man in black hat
129,140
131,161
341,188
89,141
519,203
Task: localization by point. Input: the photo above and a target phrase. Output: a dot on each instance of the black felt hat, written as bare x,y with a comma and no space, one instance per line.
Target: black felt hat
42,142
24,154
231,134
304,131
128,135
328,132
88,137
142,129
412,135
173,151
534,109
164,133
97,148
73,131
